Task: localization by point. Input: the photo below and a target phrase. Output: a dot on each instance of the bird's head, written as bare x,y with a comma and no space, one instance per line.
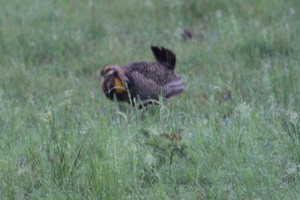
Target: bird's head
113,80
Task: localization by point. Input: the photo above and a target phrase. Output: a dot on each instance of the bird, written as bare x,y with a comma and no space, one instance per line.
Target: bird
143,81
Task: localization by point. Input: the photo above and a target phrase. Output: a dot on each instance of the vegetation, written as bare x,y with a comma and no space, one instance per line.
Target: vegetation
233,134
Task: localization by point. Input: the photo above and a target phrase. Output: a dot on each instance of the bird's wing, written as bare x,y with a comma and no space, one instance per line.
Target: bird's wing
148,89
145,88
160,74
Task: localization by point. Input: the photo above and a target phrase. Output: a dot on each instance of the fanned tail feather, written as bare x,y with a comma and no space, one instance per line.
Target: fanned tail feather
164,56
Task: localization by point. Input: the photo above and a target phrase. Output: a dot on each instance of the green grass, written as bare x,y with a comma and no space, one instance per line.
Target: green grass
60,138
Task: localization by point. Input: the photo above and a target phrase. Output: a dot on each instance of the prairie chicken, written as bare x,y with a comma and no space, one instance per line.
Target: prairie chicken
143,80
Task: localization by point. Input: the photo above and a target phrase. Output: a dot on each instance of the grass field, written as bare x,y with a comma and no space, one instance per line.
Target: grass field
236,127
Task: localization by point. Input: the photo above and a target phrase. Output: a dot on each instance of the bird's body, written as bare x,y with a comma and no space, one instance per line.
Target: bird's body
143,80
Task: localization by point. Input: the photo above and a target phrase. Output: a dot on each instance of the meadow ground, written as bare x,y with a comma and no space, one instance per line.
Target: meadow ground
233,134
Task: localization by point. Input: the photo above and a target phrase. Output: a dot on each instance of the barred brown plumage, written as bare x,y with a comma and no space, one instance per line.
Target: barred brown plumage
143,80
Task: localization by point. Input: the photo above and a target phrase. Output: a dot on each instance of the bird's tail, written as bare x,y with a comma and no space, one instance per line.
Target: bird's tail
164,57
174,88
